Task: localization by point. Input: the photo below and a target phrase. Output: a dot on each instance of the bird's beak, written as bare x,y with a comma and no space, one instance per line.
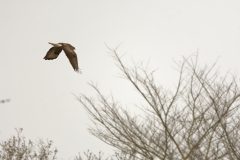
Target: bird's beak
55,44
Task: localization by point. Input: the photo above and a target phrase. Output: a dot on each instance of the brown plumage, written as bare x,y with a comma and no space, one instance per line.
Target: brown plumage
69,51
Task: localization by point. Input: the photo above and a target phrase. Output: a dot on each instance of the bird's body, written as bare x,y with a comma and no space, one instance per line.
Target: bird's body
69,51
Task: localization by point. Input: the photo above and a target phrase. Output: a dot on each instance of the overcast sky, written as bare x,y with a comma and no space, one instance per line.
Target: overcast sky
41,92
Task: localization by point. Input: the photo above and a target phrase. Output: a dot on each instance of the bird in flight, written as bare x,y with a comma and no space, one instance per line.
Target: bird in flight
5,100
69,51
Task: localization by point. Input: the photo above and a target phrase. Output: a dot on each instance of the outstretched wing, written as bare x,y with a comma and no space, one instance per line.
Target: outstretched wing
53,53
72,56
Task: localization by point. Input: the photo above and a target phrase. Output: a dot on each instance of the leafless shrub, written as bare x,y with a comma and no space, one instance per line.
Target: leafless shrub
16,148
117,156
90,156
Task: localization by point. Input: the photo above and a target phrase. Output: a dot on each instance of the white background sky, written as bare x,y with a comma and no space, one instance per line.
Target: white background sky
41,96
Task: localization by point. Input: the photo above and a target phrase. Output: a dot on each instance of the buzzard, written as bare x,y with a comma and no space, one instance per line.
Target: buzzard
69,51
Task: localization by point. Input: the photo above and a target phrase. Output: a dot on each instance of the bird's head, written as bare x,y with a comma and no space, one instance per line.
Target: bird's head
55,44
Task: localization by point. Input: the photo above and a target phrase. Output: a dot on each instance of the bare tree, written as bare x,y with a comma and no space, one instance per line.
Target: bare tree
199,119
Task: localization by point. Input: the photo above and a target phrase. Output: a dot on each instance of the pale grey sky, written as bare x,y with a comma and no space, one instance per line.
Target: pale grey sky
41,96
